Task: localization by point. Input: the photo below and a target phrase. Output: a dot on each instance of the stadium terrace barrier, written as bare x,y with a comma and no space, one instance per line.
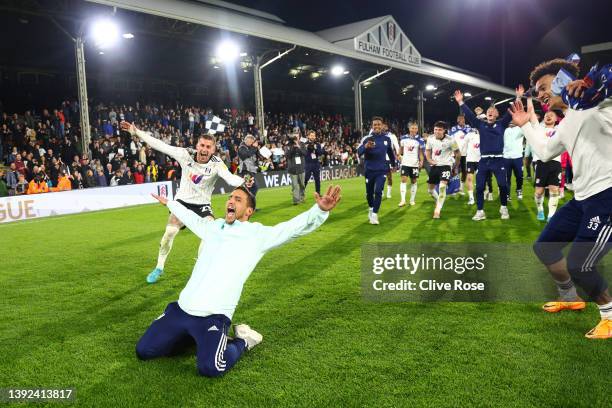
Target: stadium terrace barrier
282,178
27,207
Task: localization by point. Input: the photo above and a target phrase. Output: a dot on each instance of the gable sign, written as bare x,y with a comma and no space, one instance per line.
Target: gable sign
387,40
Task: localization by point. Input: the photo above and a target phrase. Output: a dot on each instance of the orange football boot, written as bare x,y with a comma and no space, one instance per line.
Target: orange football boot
558,305
603,330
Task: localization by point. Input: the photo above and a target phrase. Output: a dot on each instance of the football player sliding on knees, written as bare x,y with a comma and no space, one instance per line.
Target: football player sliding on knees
206,305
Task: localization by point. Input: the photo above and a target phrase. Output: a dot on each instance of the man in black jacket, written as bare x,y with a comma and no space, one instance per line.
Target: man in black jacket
295,167
247,152
312,165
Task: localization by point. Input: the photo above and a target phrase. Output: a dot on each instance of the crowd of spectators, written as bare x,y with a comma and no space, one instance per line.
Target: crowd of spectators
42,152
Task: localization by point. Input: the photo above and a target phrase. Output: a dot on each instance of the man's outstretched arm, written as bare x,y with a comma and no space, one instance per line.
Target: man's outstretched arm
194,222
172,151
302,224
545,147
231,179
470,117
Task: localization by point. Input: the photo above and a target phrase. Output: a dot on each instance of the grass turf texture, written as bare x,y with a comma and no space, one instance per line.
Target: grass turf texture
75,302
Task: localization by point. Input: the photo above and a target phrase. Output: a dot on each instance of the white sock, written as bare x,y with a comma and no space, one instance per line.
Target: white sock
567,290
388,190
433,193
606,311
539,200
461,186
166,244
553,201
403,191
441,196
471,194
413,191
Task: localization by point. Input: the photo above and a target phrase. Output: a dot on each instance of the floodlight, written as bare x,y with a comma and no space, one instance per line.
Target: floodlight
105,33
337,70
227,51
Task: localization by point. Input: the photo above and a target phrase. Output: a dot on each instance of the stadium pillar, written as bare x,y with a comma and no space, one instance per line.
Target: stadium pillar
420,111
358,107
259,104
259,110
358,99
82,88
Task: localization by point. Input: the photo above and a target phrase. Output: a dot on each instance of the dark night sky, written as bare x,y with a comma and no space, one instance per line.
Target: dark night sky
468,33
464,33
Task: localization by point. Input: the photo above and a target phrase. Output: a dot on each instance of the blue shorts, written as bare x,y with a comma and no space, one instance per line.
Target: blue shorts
587,225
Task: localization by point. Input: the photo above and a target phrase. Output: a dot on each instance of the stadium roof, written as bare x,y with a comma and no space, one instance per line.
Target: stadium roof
225,16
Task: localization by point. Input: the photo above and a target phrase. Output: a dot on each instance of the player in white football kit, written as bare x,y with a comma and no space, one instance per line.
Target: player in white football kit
396,149
412,161
199,175
547,173
444,157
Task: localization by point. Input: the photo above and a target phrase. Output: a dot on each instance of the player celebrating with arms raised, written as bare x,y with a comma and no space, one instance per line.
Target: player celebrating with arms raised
232,247
491,133
199,175
586,220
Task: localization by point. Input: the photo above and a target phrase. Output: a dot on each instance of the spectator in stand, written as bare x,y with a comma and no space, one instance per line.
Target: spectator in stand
20,165
89,180
108,172
107,128
11,156
3,187
139,176
117,179
152,172
22,185
12,176
63,183
77,180
129,177
61,122
101,180
38,185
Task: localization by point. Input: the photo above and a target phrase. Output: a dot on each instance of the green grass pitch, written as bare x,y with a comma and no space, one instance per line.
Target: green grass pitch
74,302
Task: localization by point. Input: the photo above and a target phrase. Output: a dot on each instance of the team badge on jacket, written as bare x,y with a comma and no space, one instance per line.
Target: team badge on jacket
197,178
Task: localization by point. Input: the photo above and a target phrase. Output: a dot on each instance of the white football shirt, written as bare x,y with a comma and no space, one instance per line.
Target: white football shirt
198,179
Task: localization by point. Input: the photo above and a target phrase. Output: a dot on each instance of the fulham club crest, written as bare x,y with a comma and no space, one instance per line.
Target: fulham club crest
391,32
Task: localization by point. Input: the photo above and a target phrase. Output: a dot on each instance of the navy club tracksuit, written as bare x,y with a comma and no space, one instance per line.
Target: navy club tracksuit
312,165
491,154
175,330
376,166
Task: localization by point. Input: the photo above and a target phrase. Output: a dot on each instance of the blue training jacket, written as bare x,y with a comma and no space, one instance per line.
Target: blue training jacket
376,157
